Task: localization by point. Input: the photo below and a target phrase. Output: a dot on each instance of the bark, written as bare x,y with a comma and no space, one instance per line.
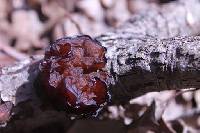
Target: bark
144,64
16,81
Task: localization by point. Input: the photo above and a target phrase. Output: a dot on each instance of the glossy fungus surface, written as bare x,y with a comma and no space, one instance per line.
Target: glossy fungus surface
72,76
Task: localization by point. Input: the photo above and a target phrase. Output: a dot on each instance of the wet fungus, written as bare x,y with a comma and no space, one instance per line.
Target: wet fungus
72,74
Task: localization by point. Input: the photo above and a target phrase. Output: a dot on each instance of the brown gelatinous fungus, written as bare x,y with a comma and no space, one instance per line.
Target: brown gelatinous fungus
72,76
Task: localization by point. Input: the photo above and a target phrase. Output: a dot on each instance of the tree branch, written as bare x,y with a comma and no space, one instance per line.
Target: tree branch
137,62
16,82
144,64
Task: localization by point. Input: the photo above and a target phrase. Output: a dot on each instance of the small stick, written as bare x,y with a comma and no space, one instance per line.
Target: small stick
13,53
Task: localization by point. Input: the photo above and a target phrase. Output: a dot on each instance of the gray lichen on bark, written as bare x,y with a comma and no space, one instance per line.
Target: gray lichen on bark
16,82
145,64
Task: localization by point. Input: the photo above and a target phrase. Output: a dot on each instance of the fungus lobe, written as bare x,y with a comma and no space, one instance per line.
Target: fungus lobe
72,75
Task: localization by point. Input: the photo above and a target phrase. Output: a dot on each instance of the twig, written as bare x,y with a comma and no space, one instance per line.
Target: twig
13,53
144,64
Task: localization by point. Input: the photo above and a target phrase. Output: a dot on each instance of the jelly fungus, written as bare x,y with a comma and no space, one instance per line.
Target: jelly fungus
72,74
